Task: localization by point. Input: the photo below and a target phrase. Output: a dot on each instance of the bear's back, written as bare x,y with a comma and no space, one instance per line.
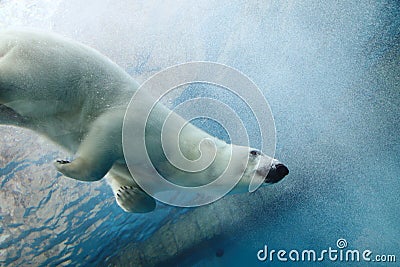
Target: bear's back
59,85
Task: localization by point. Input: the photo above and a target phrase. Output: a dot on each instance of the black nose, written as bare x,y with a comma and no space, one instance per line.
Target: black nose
282,170
276,174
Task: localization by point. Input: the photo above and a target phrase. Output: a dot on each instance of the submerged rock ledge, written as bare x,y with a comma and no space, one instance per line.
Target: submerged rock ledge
178,239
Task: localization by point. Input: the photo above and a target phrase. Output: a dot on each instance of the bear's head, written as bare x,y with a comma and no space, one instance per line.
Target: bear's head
225,165
256,168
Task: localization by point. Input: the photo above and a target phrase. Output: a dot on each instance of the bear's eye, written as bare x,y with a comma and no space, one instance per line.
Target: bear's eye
255,153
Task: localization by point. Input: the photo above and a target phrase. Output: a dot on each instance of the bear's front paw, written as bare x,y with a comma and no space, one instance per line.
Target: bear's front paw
63,161
61,165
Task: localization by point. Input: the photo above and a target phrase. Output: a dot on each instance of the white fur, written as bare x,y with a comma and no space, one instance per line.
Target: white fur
77,98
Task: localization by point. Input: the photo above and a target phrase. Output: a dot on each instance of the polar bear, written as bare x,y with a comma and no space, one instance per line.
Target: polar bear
77,98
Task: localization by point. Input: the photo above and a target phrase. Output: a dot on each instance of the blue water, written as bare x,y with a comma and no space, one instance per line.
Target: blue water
330,71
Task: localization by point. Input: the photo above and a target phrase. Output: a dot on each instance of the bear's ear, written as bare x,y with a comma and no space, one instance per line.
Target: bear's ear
208,145
208,142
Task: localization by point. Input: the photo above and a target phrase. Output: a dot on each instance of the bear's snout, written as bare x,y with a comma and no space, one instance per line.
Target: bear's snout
282,170
276,173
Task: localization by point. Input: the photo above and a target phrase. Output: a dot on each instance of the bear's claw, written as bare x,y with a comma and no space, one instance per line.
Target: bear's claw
132,199
63,161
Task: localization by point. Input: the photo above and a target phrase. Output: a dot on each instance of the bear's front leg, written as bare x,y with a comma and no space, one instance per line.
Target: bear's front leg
99,150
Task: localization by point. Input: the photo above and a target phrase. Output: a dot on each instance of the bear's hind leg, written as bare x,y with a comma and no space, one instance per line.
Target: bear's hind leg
133,199
129,196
